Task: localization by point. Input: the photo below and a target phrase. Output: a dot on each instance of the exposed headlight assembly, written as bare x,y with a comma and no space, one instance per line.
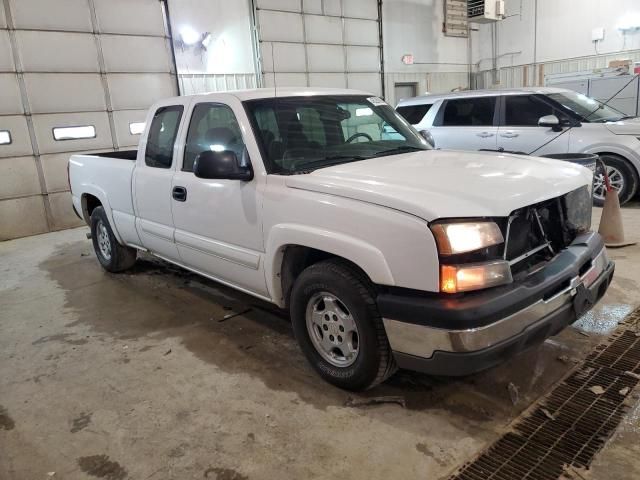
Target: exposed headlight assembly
463,237
454,238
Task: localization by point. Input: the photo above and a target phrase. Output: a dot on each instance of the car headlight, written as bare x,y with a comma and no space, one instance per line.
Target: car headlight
463,278
462,237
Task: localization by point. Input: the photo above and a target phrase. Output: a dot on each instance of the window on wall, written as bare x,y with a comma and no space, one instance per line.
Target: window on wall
136,128
5,137
526,110
213,127
469,112
74,133
162,136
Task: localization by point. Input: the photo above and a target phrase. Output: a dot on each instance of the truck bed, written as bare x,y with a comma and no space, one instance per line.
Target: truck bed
121,154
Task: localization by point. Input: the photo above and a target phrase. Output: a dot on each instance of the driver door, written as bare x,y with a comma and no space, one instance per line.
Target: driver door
519,130
218,223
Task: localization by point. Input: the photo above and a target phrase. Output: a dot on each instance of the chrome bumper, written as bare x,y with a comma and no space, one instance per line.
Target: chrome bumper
423,341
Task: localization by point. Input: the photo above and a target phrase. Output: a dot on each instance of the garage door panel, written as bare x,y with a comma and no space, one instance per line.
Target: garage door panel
328,80
6,57
361,9
10,97
369,82
286,80
361,32
45,124
3,20
138,91
143,17
312,6
54,169
323,29
325,58
64,92
57,51
42,14
127,121
20,141
62,211
19,177
289,57
332,7
20,217
143,54
363,59
290,5
279,26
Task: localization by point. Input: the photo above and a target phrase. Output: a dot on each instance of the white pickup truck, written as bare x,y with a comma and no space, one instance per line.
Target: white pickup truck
386,253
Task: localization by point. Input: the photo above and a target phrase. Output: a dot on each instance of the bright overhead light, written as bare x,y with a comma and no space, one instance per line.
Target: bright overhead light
629,22
136,128
217,148
363,112
189,35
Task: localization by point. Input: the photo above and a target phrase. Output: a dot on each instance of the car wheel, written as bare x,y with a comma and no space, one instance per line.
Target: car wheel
112,256
622,176
337,324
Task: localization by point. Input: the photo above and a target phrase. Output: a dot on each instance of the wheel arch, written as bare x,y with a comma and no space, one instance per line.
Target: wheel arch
291,249
92,198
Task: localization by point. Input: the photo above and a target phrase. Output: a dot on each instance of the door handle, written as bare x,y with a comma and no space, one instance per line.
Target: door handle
485,134
179,194
509,135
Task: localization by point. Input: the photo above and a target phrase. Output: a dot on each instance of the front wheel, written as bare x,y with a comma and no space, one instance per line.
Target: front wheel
112,256
337,324
622,176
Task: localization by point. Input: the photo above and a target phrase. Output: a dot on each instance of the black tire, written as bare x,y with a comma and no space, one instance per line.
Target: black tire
629,175
121,257
374,362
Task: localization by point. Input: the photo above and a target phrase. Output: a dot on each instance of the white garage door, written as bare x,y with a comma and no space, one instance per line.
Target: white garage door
75,75
320,43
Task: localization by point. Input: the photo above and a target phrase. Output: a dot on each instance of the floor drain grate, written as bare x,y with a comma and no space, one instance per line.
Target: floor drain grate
570,425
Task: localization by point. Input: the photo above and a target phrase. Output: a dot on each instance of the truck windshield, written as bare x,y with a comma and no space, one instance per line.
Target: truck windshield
588,109
302,134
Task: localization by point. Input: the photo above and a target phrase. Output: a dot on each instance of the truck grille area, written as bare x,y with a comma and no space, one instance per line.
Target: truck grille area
536,233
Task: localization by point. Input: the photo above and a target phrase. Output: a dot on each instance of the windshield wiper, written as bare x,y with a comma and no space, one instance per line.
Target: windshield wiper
403,148
327,162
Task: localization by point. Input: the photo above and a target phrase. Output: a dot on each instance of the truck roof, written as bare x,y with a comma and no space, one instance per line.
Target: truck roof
258,93
478,93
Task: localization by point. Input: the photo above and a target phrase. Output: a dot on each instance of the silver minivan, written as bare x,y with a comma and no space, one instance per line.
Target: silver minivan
532,121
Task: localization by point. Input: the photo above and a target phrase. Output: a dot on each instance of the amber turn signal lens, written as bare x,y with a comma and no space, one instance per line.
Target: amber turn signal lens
463,278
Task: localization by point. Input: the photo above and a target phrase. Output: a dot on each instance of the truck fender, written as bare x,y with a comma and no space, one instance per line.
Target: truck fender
100,194
621,150
364,255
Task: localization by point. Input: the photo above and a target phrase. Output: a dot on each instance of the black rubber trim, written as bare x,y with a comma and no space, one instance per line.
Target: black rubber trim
478,309
76,212
460,364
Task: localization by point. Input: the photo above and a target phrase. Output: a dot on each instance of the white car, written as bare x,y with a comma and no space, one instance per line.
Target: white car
525,119
386,252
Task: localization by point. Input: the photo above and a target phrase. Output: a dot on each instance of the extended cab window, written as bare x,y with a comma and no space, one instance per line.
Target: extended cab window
526,110
162,136
413,113
213,127
469,112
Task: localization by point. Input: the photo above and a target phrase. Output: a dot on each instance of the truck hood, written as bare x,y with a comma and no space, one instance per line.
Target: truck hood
444,184
625,127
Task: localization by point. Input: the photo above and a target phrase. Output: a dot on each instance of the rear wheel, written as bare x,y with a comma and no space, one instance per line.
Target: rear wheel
337,324
622,176
112,256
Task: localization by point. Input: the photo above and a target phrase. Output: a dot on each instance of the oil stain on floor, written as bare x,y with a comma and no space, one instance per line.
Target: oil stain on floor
6,422
100,466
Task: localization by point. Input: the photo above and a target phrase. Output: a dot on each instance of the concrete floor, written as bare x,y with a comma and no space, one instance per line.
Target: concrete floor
143,375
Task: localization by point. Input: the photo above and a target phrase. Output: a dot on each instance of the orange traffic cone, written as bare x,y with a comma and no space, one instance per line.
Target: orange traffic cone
611,227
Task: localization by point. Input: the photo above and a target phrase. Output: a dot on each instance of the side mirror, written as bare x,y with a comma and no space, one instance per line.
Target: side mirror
550,121
222,165
426,134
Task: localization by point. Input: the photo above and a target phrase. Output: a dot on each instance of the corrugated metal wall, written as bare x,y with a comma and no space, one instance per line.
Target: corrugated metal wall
320,43
93,64
530,75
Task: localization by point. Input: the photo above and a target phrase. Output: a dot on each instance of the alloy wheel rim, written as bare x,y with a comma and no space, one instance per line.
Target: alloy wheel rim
104,243
332,329
615,179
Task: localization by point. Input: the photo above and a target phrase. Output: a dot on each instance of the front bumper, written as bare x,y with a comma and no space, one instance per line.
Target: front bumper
444,335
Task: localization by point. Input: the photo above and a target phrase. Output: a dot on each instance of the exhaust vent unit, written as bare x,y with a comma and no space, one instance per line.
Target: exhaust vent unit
485,11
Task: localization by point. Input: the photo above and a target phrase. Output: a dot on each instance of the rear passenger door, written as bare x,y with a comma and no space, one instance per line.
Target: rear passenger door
519,130
152,181
466,124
